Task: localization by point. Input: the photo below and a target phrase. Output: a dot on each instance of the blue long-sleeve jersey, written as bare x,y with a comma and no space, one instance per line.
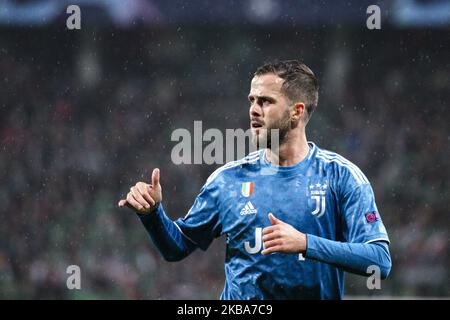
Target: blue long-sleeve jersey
325,196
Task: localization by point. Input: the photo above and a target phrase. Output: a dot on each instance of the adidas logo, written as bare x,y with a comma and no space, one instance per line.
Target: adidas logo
248,209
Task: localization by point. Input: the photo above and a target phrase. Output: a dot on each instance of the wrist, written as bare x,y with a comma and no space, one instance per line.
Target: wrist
152,211
155,208
302,243
306,245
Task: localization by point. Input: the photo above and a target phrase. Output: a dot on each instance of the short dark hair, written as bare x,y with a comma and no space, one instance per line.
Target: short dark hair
300,83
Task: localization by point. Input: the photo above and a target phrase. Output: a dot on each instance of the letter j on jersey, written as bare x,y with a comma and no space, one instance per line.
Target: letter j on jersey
247,189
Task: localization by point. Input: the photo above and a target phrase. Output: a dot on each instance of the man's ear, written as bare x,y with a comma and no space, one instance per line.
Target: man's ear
298,111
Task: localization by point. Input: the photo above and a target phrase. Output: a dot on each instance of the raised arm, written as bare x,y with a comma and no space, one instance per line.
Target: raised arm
145,199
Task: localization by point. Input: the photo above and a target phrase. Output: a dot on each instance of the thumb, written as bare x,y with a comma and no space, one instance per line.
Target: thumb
274,220
155,177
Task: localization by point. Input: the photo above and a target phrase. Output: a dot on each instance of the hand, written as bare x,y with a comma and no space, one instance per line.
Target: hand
282,237
144,197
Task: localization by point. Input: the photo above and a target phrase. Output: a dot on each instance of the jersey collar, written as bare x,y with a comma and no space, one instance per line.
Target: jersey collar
299,168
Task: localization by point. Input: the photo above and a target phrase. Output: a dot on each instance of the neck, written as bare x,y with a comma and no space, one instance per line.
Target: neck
292,150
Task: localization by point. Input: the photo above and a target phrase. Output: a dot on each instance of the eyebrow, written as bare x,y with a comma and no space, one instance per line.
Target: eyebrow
272,99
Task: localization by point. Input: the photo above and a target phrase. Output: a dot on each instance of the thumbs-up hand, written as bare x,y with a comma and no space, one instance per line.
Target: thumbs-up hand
282,237
144,197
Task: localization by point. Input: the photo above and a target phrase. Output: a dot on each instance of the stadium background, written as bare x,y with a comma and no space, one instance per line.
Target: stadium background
85,114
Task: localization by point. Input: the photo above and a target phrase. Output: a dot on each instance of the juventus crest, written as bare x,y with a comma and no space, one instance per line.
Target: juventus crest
318,192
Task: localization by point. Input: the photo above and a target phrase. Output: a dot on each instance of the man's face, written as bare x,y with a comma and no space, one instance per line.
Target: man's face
268,109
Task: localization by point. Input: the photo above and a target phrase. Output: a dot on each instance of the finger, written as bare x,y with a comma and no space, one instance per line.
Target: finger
144,191
132,201
273,249
270,229
272,243
138,197
124,202
271,236
273,220
155,177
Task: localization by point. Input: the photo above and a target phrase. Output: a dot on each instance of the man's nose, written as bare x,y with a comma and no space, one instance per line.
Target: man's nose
255,110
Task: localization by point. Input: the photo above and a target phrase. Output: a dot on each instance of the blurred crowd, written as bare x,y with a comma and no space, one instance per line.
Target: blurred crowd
84,117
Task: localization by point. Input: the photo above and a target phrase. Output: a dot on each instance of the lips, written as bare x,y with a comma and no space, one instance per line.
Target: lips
256,124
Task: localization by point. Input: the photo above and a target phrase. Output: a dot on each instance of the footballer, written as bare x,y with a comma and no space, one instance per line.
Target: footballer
295,218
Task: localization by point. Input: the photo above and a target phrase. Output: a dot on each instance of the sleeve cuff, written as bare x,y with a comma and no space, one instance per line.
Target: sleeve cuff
152,215
311,246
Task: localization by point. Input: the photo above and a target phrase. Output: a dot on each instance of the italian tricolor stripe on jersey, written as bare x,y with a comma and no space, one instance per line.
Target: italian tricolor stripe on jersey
247,188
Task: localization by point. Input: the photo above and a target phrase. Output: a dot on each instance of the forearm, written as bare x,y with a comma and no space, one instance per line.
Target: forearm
352,257
166,235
